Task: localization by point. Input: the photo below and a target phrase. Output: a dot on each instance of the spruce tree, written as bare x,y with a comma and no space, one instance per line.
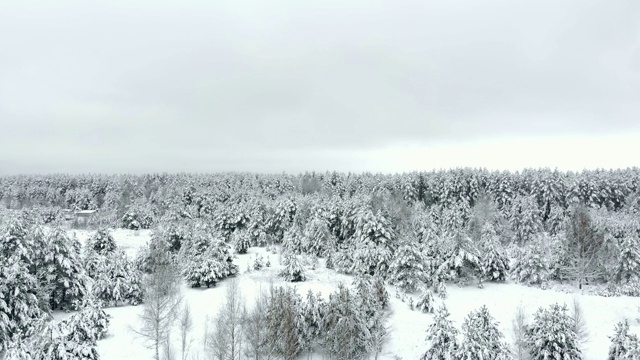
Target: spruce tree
624,345
407,269
482,338
442,337
102,242
552,335
63,272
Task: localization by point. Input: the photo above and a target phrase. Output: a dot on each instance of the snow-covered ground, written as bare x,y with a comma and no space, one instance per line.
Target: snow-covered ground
407,327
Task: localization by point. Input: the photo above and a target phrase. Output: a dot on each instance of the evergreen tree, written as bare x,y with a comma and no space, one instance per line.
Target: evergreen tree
442,337
628,264
102,242
373,246
346,330
495,263
482,338
624,345
241,241
20,311
316,237
425,303
284,323
407,269
532,264
63,271
116,280
552,335
293,271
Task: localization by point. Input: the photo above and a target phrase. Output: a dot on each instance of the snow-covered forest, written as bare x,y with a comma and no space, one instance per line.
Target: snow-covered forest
322,265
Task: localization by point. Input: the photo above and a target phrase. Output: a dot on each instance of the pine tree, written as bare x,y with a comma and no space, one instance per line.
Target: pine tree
407,269
293,271
624,345
241,241
552,335
373,247
102,242
442,337
316,237
532,264
20,311
63,272
495,262
628,265
426,303
482,338
345,326
312,313
116,280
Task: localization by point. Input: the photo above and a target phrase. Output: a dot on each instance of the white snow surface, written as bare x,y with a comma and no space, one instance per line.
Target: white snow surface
407,338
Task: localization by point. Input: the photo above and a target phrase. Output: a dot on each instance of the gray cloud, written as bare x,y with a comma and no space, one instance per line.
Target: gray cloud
254,85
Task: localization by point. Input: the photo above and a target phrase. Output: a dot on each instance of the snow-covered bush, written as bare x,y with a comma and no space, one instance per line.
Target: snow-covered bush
442,337
258,262
482,338
551,335
624,345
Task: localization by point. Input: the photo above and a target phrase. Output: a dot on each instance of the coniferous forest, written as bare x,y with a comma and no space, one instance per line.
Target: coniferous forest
416,234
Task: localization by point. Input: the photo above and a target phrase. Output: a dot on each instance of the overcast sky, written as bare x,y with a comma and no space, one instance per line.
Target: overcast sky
290,85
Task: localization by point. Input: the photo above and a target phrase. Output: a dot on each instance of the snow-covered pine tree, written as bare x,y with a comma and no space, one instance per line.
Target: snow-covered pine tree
292,241
20,311
344,326
442,337
495,262
628,264
525,218
532,263
284,323
482,338
463,261
373,243
116,279
293,270
407,270
206,262
102,242
551,335
426,303
312,313
316,237
90,324
624,345
61,344
241,241
63,273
